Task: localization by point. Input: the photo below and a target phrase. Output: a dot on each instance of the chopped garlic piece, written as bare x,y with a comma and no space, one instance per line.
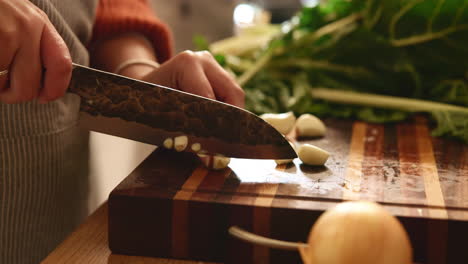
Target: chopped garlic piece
283,161
196,147
168,143
220,163
180,143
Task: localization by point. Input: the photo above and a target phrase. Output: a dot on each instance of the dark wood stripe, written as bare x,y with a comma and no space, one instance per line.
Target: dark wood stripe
437,241
412,184
211,184
180,213
228,189
391,169
141,207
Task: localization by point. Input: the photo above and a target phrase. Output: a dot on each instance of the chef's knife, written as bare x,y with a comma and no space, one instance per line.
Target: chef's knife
150,113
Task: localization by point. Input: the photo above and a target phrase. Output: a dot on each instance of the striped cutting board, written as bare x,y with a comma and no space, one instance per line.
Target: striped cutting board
171,206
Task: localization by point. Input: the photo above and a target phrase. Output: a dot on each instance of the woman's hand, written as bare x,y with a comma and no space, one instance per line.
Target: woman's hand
192,72
198,73
36,57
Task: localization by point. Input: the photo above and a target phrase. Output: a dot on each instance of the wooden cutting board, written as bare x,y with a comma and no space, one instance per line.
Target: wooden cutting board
171,206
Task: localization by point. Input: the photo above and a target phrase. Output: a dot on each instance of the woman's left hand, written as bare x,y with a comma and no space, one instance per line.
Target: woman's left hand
198,73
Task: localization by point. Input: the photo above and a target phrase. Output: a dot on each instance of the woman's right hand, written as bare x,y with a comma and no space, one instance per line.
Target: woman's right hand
36,57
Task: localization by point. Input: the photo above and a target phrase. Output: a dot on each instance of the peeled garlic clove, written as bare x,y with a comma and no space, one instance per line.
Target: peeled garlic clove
283,161
312,155
282,122
214,162
180,143
308,125
168,143
196,147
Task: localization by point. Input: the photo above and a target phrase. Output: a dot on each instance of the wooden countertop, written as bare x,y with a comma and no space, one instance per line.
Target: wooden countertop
88,244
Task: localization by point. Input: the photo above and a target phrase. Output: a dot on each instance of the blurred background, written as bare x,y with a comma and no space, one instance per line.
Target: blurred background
218,19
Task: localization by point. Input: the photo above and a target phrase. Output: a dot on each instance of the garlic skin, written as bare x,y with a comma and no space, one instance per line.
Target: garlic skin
284,122
180,143
168,143
312,155
357,232
308,125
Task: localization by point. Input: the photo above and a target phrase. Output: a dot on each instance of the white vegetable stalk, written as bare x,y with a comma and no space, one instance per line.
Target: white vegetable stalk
383,101
264,241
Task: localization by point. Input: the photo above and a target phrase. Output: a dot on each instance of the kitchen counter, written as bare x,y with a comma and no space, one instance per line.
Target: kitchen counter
88,244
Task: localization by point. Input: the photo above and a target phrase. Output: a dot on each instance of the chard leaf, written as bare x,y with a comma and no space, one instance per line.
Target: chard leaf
415,49
451,124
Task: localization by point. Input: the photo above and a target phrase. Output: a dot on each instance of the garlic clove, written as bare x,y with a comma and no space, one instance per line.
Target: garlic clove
308,125
284,122
180,143
214,162
312,155
283,161
168,143
196,147
220,163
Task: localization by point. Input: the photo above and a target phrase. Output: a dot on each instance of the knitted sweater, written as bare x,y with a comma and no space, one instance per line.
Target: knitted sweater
43,154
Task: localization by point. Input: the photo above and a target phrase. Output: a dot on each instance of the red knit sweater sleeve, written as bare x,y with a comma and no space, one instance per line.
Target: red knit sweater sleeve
119,16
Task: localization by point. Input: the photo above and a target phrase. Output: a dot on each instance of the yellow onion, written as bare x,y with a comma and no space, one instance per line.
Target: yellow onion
357,233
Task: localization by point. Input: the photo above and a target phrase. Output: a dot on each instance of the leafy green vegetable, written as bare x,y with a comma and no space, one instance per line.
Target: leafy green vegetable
400,48
200,42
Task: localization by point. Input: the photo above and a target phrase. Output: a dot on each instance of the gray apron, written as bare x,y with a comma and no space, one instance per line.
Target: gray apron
44,156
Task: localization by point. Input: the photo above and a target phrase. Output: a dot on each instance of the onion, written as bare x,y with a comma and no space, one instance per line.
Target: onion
350,233
357,232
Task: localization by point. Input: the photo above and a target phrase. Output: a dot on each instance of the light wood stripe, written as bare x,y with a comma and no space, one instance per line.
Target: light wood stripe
428,170
180,217
192,183
266,195
353,176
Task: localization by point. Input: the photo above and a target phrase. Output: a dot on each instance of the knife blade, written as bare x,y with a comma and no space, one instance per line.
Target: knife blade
151,113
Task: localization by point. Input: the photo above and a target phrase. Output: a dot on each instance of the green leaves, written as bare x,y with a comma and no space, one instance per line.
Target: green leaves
451,124
405,48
